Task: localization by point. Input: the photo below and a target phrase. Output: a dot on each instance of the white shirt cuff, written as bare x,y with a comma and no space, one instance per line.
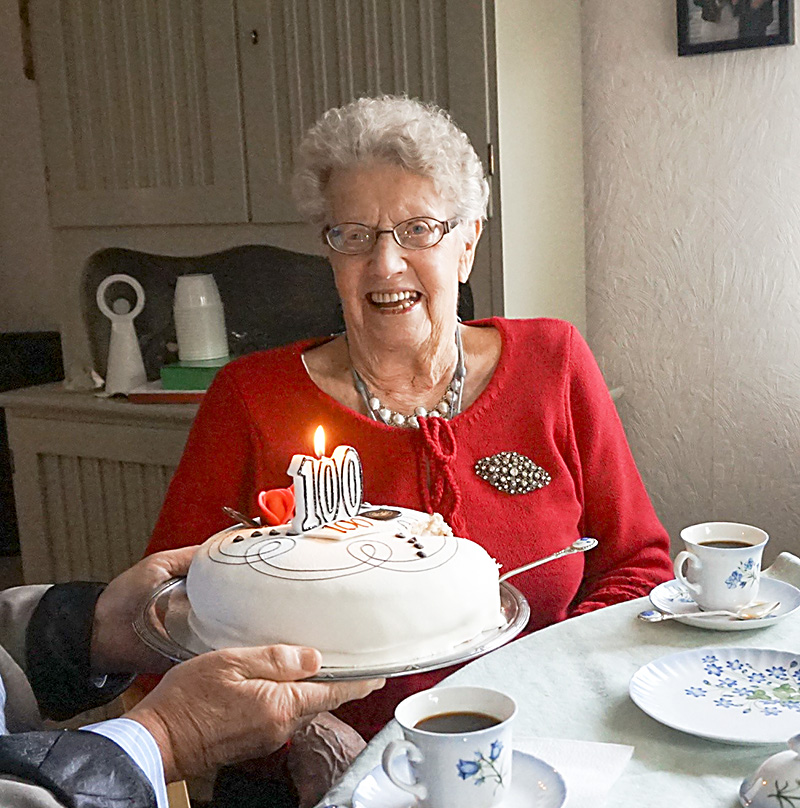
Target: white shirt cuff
140,746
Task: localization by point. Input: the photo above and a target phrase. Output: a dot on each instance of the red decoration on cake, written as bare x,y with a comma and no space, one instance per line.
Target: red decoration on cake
276,505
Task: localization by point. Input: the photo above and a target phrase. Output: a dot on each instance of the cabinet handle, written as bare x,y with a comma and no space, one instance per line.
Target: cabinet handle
254,37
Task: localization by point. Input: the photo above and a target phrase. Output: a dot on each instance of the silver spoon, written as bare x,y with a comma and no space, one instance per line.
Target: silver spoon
579,546
240,517
754,612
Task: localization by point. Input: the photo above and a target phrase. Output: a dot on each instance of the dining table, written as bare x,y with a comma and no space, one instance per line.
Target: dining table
571,682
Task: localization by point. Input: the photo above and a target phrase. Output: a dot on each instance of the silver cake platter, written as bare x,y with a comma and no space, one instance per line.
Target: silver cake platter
163,625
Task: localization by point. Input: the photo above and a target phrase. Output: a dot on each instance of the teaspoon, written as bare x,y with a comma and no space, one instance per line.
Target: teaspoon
579,546
754,612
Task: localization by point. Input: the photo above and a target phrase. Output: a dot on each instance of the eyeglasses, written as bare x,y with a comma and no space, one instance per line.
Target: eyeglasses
419,233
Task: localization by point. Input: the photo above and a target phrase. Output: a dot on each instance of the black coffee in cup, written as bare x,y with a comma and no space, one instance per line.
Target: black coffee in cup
457,722
726,544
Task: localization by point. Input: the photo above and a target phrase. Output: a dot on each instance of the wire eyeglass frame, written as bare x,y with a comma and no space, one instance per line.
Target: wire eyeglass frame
369,235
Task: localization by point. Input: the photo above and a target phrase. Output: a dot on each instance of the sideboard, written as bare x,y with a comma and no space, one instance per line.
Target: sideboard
90,475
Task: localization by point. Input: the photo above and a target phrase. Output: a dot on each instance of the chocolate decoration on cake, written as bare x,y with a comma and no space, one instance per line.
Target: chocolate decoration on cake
239,538
381,514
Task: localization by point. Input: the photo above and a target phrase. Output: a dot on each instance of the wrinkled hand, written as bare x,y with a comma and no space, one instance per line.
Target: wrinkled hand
115,646
236,704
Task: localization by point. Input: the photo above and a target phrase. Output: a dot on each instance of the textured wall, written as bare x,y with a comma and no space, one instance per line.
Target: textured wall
692,169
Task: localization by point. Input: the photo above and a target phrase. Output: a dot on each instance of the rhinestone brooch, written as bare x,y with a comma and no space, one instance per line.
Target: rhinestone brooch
512,473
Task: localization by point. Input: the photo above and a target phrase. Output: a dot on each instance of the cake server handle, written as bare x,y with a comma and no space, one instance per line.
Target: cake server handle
240,517
579,546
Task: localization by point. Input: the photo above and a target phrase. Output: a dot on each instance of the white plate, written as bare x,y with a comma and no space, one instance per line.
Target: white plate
163,625
673,598
733,695
534,784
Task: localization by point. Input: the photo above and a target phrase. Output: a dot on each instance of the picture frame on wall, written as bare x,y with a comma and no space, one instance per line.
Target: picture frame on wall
707,26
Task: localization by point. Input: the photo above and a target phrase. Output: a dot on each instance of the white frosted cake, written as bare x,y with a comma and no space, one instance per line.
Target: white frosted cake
388,586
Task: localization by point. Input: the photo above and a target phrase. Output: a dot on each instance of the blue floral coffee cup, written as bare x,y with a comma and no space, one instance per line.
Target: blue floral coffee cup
457,744
721,565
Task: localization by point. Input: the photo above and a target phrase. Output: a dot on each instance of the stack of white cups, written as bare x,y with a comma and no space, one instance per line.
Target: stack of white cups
199,319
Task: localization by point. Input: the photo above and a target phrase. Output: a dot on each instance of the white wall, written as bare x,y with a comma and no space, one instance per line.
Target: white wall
541,158
27,294
693,263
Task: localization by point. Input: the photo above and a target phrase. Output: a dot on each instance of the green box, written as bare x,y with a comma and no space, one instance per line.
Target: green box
191,375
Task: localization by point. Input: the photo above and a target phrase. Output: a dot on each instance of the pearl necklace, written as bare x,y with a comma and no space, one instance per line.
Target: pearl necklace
448,407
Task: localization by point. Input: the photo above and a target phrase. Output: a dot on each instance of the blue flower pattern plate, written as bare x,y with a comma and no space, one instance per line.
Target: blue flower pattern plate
673,598
732,695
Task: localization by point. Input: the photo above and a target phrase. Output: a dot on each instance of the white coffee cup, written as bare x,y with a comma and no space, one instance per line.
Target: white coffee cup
466,767
722,562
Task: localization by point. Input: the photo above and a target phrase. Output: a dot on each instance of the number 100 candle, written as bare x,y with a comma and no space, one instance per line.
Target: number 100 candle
325,488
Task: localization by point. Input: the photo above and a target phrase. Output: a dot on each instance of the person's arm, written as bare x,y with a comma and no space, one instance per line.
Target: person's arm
46,630
81,650
41,769
77,645
80,769
58,653
237,704
141,747
18,793
633,552
219,708
17,604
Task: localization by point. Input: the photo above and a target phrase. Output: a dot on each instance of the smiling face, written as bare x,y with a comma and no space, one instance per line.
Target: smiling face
394,297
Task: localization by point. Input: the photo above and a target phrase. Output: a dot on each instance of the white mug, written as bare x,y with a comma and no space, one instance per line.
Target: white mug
722,563
452,763
199,318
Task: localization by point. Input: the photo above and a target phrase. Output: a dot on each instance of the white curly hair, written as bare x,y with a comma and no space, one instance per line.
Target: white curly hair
418,137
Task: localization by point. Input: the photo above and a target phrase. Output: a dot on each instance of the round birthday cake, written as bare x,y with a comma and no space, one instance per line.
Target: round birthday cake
386,586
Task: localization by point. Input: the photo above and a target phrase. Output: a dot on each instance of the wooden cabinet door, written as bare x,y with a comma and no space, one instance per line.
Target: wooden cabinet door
88,494
301,57
140,111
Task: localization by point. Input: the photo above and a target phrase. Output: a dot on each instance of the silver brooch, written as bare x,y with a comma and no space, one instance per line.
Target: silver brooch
512,473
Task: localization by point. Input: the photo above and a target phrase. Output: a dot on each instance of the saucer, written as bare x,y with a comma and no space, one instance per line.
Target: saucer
673,598
534,784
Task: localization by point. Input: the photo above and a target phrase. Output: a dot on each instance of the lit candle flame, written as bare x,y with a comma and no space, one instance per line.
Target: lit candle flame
319,442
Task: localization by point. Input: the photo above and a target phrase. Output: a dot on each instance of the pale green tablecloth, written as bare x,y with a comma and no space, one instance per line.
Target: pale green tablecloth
571,681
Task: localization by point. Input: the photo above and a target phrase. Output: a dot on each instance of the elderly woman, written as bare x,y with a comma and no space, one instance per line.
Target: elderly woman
431,404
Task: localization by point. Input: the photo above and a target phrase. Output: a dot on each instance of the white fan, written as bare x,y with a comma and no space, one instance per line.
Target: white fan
125,369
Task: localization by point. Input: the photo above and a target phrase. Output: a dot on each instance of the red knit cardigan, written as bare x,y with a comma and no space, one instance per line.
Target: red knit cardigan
546,400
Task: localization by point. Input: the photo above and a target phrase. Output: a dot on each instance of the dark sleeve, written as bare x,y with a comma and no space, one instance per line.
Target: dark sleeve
58,646
81,769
